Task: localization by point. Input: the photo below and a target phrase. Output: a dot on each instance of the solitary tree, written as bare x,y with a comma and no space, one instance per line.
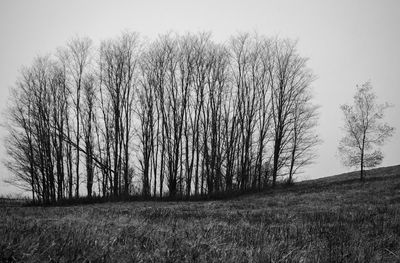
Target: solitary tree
365,130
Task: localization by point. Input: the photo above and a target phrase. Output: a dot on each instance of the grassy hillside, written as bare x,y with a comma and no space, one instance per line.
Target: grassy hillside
334,219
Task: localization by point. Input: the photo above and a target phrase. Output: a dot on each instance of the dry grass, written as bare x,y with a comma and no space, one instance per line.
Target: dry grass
336,219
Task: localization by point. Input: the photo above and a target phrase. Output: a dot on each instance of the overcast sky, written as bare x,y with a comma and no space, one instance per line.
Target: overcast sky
347,43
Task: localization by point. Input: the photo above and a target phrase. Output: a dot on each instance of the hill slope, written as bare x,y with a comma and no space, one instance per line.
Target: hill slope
334,219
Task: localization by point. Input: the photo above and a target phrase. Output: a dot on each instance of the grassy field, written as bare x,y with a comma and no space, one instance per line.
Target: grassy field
335,219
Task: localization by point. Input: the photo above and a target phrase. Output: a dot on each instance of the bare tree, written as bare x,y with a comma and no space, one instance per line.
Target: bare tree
289,78
20,141
34,148
364,130
88,119
118,65
145,109
79,59
245,61
62,56
303,139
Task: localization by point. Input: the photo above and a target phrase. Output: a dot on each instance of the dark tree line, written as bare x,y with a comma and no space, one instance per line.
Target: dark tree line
180,116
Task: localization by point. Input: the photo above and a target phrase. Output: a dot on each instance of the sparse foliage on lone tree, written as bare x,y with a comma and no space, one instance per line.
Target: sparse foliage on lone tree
365,130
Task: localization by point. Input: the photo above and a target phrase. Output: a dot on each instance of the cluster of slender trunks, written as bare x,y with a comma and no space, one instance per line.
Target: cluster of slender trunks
180,116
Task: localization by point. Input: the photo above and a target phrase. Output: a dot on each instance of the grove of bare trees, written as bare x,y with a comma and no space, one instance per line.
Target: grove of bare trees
176,117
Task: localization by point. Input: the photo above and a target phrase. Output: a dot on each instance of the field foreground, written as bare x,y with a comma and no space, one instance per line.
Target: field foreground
334,219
